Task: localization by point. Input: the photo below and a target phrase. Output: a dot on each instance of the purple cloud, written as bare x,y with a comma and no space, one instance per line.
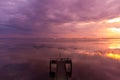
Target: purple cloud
41,16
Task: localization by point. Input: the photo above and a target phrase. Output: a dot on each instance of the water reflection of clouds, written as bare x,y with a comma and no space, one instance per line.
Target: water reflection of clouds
25,62
113,49
114,44
109,49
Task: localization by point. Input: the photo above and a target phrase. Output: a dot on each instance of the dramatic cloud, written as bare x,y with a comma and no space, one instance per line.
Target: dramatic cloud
44,17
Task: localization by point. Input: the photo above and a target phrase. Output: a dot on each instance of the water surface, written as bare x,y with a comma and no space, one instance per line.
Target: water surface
28,59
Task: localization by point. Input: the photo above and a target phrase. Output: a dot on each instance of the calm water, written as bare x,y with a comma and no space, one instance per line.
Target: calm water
28,59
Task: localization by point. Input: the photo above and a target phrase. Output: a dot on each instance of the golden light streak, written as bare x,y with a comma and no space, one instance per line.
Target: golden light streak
116,30
114,20
112,32
113,56
114,46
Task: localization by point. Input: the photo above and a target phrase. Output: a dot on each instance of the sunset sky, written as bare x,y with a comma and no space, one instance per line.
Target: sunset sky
60,18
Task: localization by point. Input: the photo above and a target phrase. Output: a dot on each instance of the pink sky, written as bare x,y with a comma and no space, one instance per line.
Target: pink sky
60,18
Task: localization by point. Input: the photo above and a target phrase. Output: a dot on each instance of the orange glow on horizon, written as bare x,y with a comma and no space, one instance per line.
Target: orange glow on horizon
113,56
114,46
112,32
110,28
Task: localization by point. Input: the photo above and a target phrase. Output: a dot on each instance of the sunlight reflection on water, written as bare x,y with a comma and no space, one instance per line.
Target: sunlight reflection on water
113,56
114,44
109,49
91,59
